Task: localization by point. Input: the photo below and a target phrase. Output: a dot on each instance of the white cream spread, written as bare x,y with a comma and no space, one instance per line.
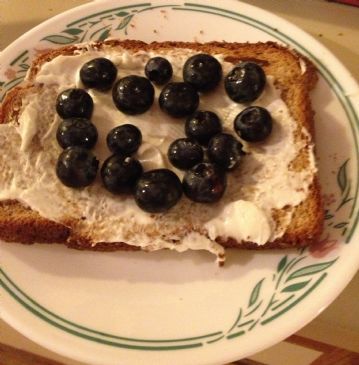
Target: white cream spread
303,66
263,181
240,216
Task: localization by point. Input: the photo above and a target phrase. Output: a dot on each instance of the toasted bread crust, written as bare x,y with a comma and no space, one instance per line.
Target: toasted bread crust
20,224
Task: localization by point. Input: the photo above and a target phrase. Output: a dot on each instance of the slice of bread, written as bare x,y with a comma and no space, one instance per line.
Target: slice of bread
300,224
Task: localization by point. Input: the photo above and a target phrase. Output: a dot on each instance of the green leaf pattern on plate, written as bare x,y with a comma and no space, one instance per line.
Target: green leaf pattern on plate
295,287
255,293
73,31
282,296
309,270
345,187
60,39
282,263
342,177
124,22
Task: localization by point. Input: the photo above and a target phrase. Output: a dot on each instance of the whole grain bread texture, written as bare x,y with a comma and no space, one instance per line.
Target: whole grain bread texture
294,75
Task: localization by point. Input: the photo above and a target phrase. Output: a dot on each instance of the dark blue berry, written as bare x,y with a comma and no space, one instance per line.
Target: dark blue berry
74,103
120,173
202,126
253,124
99,73
225,151
178,99
203,71
76,167
133,94
158,190
125,139
245,82
76,132
158,70
204,183
184,153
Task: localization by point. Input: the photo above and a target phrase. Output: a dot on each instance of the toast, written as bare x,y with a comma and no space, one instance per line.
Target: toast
296,222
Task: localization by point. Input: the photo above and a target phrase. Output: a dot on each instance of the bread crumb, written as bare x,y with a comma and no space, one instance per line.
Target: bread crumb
164,12
155,31
201,31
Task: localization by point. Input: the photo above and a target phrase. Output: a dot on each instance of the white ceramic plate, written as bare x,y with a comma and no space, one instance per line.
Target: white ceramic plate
170,308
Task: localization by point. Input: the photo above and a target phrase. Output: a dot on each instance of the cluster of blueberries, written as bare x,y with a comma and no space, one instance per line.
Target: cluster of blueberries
205,154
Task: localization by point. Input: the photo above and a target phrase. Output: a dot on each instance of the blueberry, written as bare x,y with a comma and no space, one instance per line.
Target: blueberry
158,190
184,153
99,73
204,183
253,124
133,94
125,139
74,103
76,167
202,126
178,99
120,173
225,150
202,71
158,70
76,132
245,82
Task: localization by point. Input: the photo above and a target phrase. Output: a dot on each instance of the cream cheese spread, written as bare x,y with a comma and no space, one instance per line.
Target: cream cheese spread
263,182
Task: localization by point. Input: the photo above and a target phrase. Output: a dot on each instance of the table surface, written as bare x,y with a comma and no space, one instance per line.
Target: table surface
337,27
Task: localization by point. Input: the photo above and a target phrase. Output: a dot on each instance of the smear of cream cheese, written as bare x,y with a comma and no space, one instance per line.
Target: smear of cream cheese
262,183
241,220
27,125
